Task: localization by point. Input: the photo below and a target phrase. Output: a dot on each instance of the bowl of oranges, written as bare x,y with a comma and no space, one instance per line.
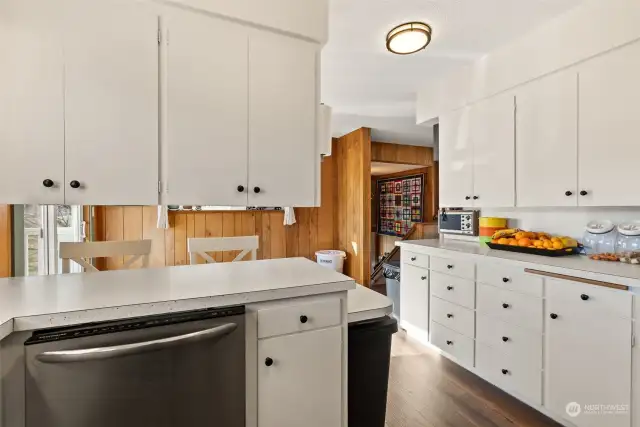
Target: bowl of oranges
537,243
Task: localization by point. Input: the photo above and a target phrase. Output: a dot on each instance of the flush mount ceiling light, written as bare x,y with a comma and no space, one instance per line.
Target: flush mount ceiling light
409,38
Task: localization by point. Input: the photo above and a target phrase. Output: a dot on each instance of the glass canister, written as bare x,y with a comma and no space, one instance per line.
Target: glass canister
628,237
600,237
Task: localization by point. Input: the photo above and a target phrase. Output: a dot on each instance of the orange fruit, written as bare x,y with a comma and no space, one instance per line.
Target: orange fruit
558,245
494,241
555,239
525,241
513,243
538,243
503,241
530,235
547,244
519,235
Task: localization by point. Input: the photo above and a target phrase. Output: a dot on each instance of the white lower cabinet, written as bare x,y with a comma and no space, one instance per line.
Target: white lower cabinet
414,296
519,376
300,379
453,343
588,362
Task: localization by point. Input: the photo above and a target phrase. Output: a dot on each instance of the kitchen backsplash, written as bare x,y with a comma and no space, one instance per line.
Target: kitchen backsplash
563,221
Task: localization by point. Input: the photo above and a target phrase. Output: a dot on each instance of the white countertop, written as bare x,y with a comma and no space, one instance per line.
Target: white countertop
578,266
365,304
35,302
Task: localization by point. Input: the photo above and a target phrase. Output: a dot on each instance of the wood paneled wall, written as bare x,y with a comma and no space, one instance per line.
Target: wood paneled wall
313,231
353,157
398,153
5,241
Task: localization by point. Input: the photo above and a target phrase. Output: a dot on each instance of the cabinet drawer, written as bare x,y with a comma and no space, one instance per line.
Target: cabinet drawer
511,307
595,298
454,289
453,316
297,318
515,341
509,373
454,267
452,343
511,278
413,258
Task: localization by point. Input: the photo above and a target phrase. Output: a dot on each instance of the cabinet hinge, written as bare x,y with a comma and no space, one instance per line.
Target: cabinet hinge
633,341
159,187
159,36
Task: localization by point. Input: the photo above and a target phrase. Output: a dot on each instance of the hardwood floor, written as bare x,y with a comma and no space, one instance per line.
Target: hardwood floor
428,390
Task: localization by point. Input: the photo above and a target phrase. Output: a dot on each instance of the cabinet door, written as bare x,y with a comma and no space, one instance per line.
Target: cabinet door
609,148
456,158
492,135
414,296
303,385
588,361
547,141
282,121
31,103
206,90
111,101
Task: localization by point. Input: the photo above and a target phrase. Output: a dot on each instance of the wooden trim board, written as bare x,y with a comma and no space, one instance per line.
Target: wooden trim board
577,279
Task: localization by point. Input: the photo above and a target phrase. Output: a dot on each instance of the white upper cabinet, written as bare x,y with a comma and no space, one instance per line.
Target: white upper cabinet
31,103
111,103
456,160
282,121
492,133
547,141
207,110
609,144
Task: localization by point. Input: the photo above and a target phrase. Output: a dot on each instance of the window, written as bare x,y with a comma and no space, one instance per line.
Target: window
43,228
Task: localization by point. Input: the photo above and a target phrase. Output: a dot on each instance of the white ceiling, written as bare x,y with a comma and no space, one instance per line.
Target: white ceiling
368,86
381,168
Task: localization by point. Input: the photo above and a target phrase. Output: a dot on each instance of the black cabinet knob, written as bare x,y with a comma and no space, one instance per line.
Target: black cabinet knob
568,193
584,297
413,258
256,190
505,339
468,198
505,279
304,319
449,288
505,305
240,188
47,183
505,372
450,266
449,342
476,197
553,316
449,316
583,193
424,277
268,361
74,184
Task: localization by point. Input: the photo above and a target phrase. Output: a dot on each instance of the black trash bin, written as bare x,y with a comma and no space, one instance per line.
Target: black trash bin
369,358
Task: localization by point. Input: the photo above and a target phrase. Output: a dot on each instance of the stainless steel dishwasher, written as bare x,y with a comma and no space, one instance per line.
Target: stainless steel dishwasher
184,369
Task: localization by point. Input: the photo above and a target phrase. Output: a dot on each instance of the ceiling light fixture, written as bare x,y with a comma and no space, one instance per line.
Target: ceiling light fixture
409,38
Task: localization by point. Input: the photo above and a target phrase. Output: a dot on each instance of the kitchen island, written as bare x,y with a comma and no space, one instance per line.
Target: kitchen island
557,333
295,317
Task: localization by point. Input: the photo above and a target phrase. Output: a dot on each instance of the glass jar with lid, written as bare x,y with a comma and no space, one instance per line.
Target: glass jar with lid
628,237
600,237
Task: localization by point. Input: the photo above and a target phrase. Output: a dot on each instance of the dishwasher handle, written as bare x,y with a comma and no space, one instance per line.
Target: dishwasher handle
101,353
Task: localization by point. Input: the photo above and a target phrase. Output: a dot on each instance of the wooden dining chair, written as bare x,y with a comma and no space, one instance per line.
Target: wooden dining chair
82,252
200,246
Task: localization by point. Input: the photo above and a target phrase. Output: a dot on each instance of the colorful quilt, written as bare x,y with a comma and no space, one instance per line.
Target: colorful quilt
400,204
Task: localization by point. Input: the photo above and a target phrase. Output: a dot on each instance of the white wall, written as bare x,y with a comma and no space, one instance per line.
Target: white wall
589,30
562,221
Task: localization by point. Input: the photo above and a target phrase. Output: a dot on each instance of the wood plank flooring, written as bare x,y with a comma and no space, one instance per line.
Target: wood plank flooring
428,390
